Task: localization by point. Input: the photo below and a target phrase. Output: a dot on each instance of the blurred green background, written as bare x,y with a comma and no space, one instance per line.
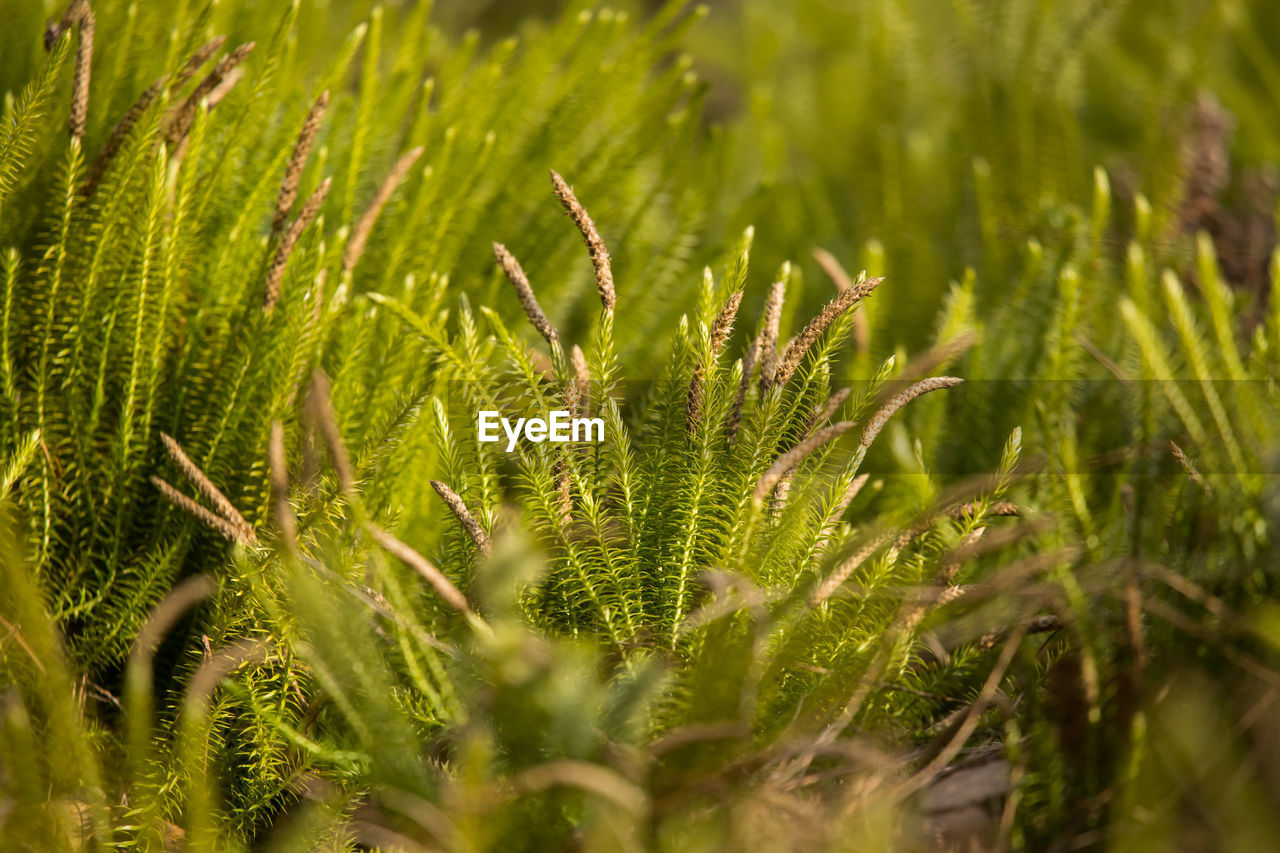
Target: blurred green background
857,125
1079,198
920,138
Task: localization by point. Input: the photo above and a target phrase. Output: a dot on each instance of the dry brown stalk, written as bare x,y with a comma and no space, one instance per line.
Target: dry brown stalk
572,397
721,327
70,18
218,667
595,243
965,550
524,292
849,494
15,631
829,408
360,236
543,365
581,375
963,730
1190,590
1002,538
53,31
84,62
224,88
936,356
1206,162
197,60
837,511
899,400
1003,509
809,335
696,733
735,412
564,495
182,116
834,270
280,487
275,273
1043,624
594,779
205,486
819,416
795,455
464,516
177,601
1101,357
843,281
78,14
781,491
580,370
1187,466
130,119
208,516
965,727
846,569
767,343
912,613
121,131
321,410
309,469
948,594
424,567
955,558
297,162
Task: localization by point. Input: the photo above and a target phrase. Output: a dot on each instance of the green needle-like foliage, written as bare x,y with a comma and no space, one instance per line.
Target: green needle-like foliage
134,303
262,266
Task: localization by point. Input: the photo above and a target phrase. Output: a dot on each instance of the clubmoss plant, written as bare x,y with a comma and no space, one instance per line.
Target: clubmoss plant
262,588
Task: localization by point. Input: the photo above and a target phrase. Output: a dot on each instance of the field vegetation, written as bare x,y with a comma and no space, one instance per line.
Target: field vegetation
935,348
